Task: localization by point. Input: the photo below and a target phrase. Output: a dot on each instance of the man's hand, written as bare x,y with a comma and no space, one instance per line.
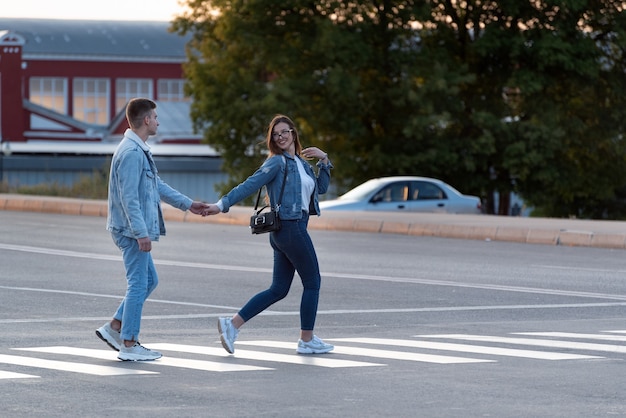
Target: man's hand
145,244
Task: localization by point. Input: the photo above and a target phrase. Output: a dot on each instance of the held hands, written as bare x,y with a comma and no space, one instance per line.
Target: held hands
314,152
211,209
204,209
198,208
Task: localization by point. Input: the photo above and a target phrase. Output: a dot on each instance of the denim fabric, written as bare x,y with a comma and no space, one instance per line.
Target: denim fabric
136,191
135,194
293,251
142,279
271,174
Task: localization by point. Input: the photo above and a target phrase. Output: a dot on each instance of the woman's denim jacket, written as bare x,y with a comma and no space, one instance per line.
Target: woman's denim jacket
136,191
271,174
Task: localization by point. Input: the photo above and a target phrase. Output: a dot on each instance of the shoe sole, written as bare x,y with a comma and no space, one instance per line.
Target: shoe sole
138,358
222,339
103,338
225,345
310,351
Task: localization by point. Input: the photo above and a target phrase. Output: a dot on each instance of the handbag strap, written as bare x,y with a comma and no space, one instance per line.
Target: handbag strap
282,189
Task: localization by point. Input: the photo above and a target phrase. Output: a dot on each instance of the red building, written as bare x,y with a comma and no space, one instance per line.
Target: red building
64,85
70,80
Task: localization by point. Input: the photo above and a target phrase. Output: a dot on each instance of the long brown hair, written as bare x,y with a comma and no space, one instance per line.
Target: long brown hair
271,144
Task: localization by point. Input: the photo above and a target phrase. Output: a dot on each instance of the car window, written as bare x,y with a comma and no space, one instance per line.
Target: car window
395,192
422,190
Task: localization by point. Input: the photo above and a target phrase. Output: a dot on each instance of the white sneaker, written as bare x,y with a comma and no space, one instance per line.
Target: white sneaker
228,334
110,336
315,346
138,352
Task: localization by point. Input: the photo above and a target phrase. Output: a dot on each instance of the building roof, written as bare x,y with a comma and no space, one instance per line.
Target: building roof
53,39
174,124
175,121
106,148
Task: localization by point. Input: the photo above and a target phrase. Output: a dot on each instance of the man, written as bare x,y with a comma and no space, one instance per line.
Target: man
135,220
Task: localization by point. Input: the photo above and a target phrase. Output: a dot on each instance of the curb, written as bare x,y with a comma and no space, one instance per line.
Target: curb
545,231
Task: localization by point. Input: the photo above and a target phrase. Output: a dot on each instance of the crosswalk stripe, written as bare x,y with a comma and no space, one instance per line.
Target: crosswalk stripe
264,356
70,367
210,366
476,349
11,375
533,342
387,354
347,347
575,335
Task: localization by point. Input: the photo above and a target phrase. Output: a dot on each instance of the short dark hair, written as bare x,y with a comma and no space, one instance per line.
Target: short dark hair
137,109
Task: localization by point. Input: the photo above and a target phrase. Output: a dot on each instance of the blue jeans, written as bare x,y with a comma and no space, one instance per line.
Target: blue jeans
293,251
142,279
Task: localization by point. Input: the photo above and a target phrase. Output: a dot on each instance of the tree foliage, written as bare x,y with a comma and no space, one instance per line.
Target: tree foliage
486,95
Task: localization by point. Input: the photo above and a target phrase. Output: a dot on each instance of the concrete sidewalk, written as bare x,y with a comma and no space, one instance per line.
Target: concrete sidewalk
570,232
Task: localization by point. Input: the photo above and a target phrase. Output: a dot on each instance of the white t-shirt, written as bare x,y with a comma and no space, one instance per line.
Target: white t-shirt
308,185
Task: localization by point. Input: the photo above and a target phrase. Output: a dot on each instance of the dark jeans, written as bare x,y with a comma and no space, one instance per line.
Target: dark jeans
293,251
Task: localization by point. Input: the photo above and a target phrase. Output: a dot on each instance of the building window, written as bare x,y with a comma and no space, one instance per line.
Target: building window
172,90
91,100
49,92
129,88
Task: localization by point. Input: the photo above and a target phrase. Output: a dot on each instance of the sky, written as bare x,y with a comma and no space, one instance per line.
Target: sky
92,10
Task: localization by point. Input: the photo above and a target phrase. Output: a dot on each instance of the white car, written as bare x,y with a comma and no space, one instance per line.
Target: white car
407,194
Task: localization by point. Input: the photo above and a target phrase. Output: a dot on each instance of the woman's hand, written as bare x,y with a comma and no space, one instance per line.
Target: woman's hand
211,209
314,152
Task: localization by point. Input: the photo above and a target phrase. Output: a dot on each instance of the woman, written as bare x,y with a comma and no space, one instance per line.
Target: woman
293,248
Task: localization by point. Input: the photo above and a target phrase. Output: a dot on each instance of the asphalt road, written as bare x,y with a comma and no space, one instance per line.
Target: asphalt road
423,327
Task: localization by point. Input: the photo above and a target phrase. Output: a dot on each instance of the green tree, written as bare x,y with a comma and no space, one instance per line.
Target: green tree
571,69
544,107
341,71
487,95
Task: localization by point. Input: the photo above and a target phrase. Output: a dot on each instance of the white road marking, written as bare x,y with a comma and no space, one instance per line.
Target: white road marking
230,363
209,366
264,356
276,313
387,354
533,342
476,349
70,367
391,279
574,335
11,375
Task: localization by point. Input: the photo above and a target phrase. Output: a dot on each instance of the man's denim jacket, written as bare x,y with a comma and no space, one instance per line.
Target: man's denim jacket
136,191
270,174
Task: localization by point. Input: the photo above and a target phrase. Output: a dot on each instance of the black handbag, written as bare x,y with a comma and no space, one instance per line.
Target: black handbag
262,222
